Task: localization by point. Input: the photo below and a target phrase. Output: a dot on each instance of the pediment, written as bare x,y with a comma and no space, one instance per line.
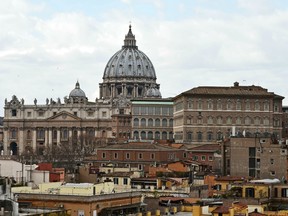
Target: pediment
64,116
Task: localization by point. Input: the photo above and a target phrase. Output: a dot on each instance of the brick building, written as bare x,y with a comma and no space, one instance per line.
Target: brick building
254,157
208,114
137,155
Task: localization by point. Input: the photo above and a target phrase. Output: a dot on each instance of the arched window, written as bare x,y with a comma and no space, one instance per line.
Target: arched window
238,105
219,120
210,104
238,121
150,135
143,135
219,104
210,136
266,121
164,122
170,135
229,120
157,122
150,122
164,135
143,122
219,135
257,121
247,120
157,135
171,122
136,122
136,135
210,120
229,104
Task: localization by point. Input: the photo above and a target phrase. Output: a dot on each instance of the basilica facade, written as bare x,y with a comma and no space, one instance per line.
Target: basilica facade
78,122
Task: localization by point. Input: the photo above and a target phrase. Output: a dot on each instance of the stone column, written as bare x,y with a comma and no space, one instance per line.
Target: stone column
58,135
34,137
21,140
113,90
46,137
50,137
101,90
6,141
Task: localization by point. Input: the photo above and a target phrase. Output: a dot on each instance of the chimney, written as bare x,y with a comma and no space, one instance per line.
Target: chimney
236,84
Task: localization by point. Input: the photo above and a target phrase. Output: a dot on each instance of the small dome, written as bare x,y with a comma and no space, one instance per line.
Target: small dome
77,92
153,92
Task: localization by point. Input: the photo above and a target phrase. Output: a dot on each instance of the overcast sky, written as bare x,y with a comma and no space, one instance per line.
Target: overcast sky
47,45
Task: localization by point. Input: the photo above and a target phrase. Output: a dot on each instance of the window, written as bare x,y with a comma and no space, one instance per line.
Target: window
247,106
257,121
143,122
157,122
266,121
190,104
29,134
64,134
219,105
247,120
257,105
103,154
164,122
75,113
210,136
272,173
150,110
266,106
54,136
115,155
210,104
140,166
90,113
238,105
184,155
152,155
81,213
199,136
189,136
210,158
136,122
238,121
150,122
199,104
219,120
229,120
13,134
14,112
28,114
210,120
104,114
229,105
195,158
171,122
116,181
127,155
125,181
140,155
165,110
143,110
40,133
40,113
203,158
271,161
157,111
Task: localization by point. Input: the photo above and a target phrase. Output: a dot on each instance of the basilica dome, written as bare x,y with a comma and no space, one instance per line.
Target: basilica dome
77,92
129,73
129,61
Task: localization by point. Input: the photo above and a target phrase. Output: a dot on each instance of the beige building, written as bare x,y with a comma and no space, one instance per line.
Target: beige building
207,114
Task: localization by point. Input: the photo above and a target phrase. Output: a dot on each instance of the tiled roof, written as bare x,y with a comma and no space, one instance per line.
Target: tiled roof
117,174
142,145
230,178
206,147
238,90
221,209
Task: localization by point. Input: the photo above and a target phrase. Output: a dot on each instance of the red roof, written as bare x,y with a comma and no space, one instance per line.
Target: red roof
221,209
